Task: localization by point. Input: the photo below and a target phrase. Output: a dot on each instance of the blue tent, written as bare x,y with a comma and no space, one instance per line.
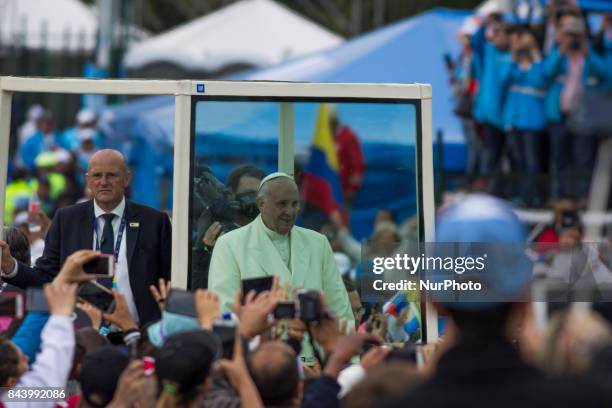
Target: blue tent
596,5
408,51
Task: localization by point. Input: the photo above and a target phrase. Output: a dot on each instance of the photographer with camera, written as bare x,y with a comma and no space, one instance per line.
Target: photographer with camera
571,69
231,208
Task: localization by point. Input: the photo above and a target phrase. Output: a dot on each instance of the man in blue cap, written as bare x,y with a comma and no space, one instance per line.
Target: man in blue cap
483,368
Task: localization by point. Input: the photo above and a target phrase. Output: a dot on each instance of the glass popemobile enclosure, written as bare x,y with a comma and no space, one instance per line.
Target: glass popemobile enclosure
361,155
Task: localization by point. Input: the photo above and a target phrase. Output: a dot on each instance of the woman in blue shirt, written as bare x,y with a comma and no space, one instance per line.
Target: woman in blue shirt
492,62
524,114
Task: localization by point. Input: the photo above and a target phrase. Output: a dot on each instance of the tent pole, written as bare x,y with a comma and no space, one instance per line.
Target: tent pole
6,99
429,316
180,199
286,154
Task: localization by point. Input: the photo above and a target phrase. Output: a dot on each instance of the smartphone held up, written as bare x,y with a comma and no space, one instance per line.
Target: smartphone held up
102,266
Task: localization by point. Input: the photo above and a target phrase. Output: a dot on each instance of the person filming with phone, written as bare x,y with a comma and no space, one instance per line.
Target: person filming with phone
138,238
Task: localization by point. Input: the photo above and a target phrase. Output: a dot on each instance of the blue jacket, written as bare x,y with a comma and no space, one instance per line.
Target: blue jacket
608,60
524,108
491,68
71,140
34,146
27,337
555,69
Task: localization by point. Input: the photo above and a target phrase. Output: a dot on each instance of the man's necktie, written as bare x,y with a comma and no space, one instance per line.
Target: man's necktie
107,243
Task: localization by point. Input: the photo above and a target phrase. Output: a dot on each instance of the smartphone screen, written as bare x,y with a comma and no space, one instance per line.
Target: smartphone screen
257,284
103,266
11,305
404,354
97,295
35,300
181,302
226,330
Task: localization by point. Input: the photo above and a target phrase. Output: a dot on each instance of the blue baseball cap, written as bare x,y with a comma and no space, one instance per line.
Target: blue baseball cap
479,224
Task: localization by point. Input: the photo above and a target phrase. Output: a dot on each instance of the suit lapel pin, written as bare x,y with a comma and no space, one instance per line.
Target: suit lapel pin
134,224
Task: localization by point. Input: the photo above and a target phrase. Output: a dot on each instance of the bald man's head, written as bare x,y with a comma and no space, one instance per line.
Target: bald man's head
107,155
107,178
278,201
275,372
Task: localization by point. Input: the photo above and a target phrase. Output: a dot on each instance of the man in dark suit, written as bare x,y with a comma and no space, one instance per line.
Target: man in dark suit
139,238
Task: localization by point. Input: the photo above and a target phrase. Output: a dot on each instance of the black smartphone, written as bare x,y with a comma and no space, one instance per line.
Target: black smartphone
284,310
11,305
102,266
181,302
408,353
257,284
226,331
97,295
36,301
310,306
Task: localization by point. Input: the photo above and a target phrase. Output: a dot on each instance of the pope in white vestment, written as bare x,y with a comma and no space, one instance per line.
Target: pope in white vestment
273,245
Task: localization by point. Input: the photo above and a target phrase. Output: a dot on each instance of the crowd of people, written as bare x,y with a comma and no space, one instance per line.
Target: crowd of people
311,338
123,357
49,164
525,95
227,349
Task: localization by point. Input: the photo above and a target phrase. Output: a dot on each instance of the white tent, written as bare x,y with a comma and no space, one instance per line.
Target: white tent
523,7
48,24
494,6
252,32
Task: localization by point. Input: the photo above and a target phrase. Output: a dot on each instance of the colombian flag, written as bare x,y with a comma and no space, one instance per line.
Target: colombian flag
321,181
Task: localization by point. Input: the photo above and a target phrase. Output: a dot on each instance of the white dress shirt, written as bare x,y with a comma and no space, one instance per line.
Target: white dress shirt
281,242
122,277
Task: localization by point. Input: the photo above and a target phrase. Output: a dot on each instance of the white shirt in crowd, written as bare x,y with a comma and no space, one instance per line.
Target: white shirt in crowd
53,363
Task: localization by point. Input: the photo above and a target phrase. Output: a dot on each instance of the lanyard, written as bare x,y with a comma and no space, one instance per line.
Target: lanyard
119,236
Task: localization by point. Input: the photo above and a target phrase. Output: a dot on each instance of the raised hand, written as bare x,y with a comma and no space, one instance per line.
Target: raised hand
121,316
60,297
72,270
160,294
238,375
254,313
207,308
212,233
94,314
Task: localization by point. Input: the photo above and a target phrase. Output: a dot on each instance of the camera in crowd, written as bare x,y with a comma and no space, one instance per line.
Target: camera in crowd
244,203
214,202
211,202
307,307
